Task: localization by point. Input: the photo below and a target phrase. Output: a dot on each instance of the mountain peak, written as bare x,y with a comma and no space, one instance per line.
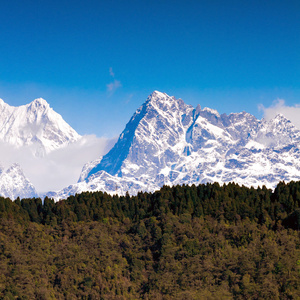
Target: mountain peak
279,120
167,142
15,167
157,97
158,94
163,102
13,183
4,106
36,124
211,111
280,117
39,102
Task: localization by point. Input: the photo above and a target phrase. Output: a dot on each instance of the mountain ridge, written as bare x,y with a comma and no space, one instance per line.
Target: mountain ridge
36,129
168,142
13,183
35,124
165,142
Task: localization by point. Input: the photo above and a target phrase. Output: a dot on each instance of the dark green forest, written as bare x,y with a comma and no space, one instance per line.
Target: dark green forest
184,242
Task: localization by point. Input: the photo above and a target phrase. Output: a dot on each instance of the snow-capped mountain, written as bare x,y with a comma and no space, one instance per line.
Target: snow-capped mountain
169,142
13,183
37,130
35,124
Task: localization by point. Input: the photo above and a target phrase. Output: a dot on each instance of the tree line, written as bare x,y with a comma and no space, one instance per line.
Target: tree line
208,241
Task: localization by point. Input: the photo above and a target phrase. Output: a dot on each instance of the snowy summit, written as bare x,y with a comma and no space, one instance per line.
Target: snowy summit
169,142
35,124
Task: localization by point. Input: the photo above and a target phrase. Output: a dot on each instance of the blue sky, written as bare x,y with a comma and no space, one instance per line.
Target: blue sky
96,62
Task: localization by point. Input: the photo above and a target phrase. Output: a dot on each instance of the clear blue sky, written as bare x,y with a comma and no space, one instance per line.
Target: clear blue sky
96,62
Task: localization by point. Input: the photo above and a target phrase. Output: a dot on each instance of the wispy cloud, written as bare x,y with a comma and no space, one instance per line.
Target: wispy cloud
292,113
114,85
128,99
111,72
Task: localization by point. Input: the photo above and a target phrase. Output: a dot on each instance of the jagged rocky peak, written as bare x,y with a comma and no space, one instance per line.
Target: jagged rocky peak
197,109
158,98
281,117
241,117
157,135
13,183
155,125
164,102
276,132
38,104
281,121
15,167
279,125
211,111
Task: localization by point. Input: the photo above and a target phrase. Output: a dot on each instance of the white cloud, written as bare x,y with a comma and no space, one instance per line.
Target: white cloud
111,72
113,86
292,113
59,168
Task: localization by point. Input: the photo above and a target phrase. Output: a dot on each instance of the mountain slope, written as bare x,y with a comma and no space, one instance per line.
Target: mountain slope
153,130
169,142
13,183
35,124
34,130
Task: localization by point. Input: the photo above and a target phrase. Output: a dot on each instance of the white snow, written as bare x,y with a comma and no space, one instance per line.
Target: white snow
212,111
170,149
35,124
254,144
29,132
173,143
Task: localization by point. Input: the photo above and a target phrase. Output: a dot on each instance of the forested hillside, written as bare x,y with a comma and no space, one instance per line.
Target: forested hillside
185,242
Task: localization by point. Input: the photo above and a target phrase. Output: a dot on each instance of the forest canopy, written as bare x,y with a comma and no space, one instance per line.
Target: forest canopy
184,242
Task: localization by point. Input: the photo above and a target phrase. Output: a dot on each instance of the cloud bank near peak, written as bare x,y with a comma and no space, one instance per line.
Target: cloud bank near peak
292,113
59,168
